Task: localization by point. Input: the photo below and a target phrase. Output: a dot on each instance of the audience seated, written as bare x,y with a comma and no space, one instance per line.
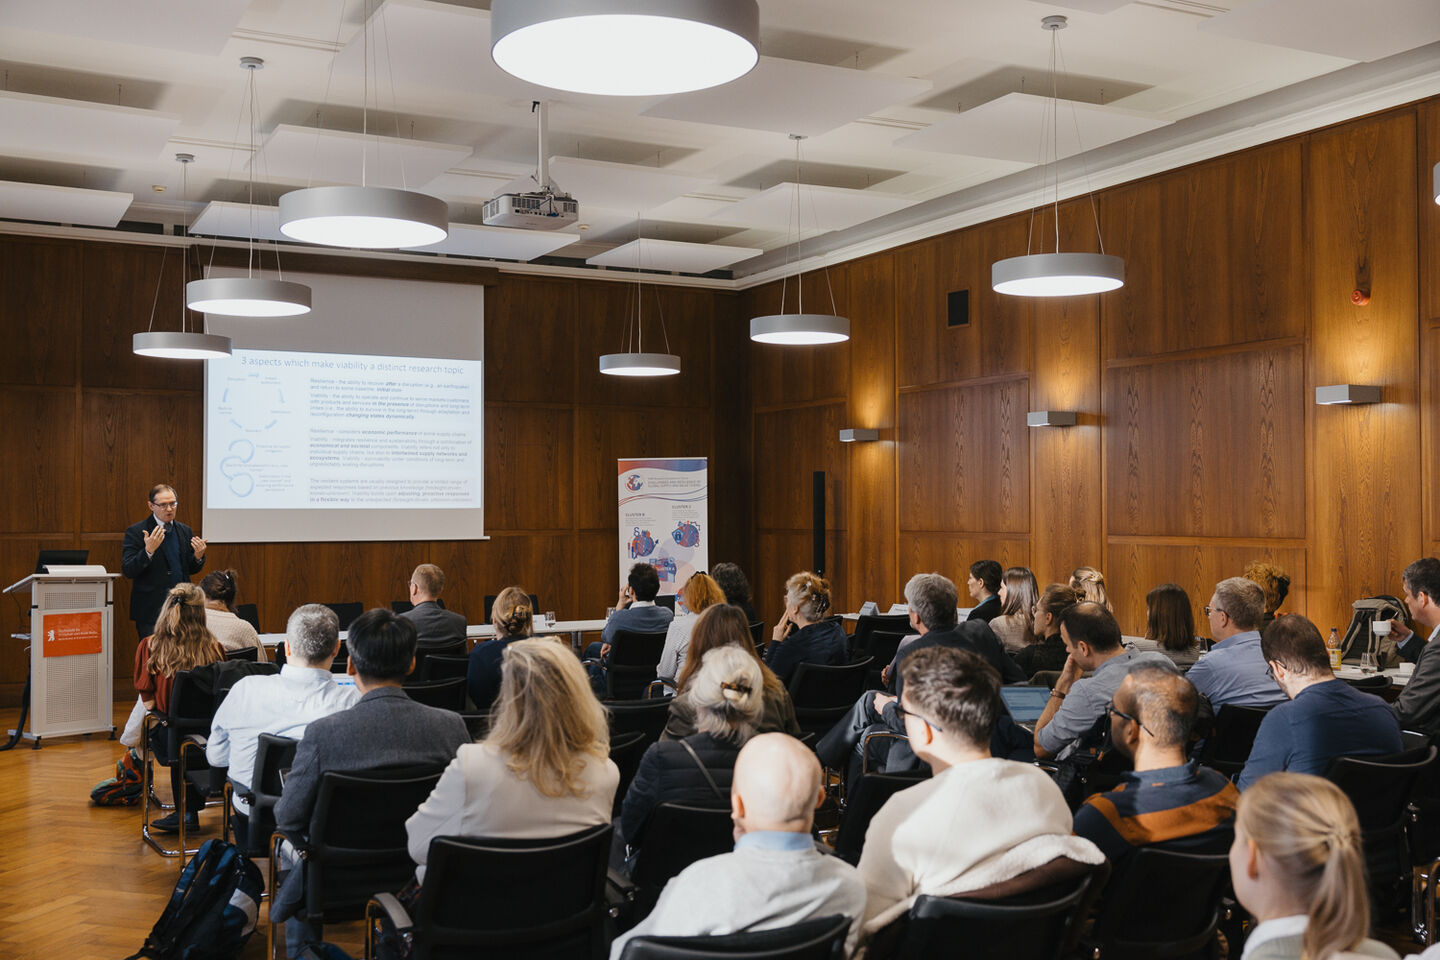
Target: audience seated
1167,799
699,593
1092,638
635,612
513,620
283,704
434,625
180,642
543,770
1418,705
984,586
220,618
1324,718
385,728
733,582
1014,627
775,877
1298,866
803,635
1170,625
1273,579
724,625
726,692
1048,652
980,820
1090,584
1234,670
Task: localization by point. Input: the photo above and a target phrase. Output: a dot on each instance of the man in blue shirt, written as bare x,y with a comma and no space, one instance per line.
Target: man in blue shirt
1325,718
1234,669
635,612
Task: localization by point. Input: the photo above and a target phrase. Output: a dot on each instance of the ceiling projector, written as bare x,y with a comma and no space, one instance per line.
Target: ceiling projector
531,211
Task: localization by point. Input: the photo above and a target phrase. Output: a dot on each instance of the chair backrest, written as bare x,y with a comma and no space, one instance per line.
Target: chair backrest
551,902
455,648
347,612
477,723
757,634
631,667
445,694
867,795
357,843
667,601
272,754
626,751
1228,746
1380,787
250,613
676,836
867,624
818,686
643,716
1162,904
439,666
819,939
1376,683
490,599
401,606
251,654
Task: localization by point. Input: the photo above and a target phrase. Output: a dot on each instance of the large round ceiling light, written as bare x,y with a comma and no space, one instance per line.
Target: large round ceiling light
373,218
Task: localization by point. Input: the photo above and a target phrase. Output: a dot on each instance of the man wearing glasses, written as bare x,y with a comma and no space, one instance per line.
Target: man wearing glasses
158,553
1234,669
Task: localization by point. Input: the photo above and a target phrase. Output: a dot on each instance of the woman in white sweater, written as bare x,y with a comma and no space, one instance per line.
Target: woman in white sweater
699,594
220,617
544,770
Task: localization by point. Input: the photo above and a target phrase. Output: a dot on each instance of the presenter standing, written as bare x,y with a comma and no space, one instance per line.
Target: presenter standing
159,552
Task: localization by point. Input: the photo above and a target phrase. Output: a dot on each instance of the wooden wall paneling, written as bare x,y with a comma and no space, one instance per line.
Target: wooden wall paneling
40,285
789,446
783,553
1429,445
781,374
1361,213
601,572
528,466
37,433
17,561
1133,569
1211,446
964,458
952,554
538,562
731,518
248,562
371,572
1212,254
1428,146
118,294
870,520
530,336
130,442
610,327
607,434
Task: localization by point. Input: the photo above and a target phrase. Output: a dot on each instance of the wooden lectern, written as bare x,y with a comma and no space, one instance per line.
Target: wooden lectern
72,654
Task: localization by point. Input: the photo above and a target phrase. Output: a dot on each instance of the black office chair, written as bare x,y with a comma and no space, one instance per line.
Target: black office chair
252,654
490,599
823,694
1228,746
820,939
445,694
1380,788
866,626
643,716
674,837
347,612
757,634
272,755
883,646
355,843
477,723
1376,683
250,613
632,662
549,903
401,606
443,667
170,739
455,648
1163,904
625,752
865,798
667,601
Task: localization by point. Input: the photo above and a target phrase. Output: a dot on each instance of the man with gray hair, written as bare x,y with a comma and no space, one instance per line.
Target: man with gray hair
1234,671
283,704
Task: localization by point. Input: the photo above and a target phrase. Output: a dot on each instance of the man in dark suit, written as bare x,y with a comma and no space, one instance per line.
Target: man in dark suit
385,728
158,553
434,625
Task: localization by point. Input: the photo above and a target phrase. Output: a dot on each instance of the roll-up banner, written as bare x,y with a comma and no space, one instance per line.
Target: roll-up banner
664,518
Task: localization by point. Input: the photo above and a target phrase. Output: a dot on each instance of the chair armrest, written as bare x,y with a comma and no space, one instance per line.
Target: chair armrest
394,912
620,884
865,746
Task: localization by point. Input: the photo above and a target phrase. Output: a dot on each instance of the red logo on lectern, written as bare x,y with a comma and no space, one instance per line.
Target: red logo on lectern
71,634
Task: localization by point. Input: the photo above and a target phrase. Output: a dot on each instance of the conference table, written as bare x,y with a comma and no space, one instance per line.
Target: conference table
474,631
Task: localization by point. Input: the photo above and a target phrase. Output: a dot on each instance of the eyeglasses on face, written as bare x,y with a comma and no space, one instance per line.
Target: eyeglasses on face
1209,610
903,713
1110,709
165,504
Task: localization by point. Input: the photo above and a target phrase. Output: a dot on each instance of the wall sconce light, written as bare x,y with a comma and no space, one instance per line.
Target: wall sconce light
1050,418
1347,393
858,435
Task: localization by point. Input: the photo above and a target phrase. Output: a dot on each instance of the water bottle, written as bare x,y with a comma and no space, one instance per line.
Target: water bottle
1332,646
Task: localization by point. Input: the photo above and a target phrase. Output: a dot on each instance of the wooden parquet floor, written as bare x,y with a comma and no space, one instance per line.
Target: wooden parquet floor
76,881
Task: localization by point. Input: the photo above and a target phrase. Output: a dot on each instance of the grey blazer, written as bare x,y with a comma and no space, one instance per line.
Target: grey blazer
435,625
1418,705
1288,948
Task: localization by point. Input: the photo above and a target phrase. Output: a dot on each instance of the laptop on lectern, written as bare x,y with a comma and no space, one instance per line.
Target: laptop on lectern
61,558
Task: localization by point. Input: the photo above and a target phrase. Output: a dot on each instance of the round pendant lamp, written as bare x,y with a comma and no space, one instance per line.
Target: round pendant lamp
639,364
796,329
1057,274
372,218
248,297
625,48
181,345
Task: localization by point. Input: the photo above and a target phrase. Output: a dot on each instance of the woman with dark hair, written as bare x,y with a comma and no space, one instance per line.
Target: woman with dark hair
1049,652
736,587
220,618
1170,625
803,635
1014,628
719,626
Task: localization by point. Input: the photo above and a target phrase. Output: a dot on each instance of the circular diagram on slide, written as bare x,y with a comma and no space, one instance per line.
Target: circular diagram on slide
232,467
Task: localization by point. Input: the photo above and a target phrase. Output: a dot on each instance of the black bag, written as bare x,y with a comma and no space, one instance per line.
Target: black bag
212,911
123,789
1357,635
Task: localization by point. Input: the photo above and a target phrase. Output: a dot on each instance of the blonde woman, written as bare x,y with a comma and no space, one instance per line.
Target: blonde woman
803,635
1090,584
513,620
699,593
1014,627
544,770
1298,866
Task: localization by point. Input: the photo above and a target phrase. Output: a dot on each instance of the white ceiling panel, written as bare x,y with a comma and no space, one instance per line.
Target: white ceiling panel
621,186
466,185
78,129
1366,30
40,201
305,154
788,96
1089,6
195,27
499,243
1011,127
222,219
822,208
673,256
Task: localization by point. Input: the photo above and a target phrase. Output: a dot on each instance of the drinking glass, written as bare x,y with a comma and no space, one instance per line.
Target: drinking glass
550,618
1367,663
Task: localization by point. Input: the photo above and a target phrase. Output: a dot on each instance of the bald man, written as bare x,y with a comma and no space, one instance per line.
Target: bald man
775,877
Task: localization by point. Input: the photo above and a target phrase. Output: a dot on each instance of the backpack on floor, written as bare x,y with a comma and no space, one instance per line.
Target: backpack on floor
212,911
123,789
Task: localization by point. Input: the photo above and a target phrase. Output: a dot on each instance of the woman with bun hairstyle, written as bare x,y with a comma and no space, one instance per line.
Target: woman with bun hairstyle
803,635
1090,584
220,617
513,620
1298,865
